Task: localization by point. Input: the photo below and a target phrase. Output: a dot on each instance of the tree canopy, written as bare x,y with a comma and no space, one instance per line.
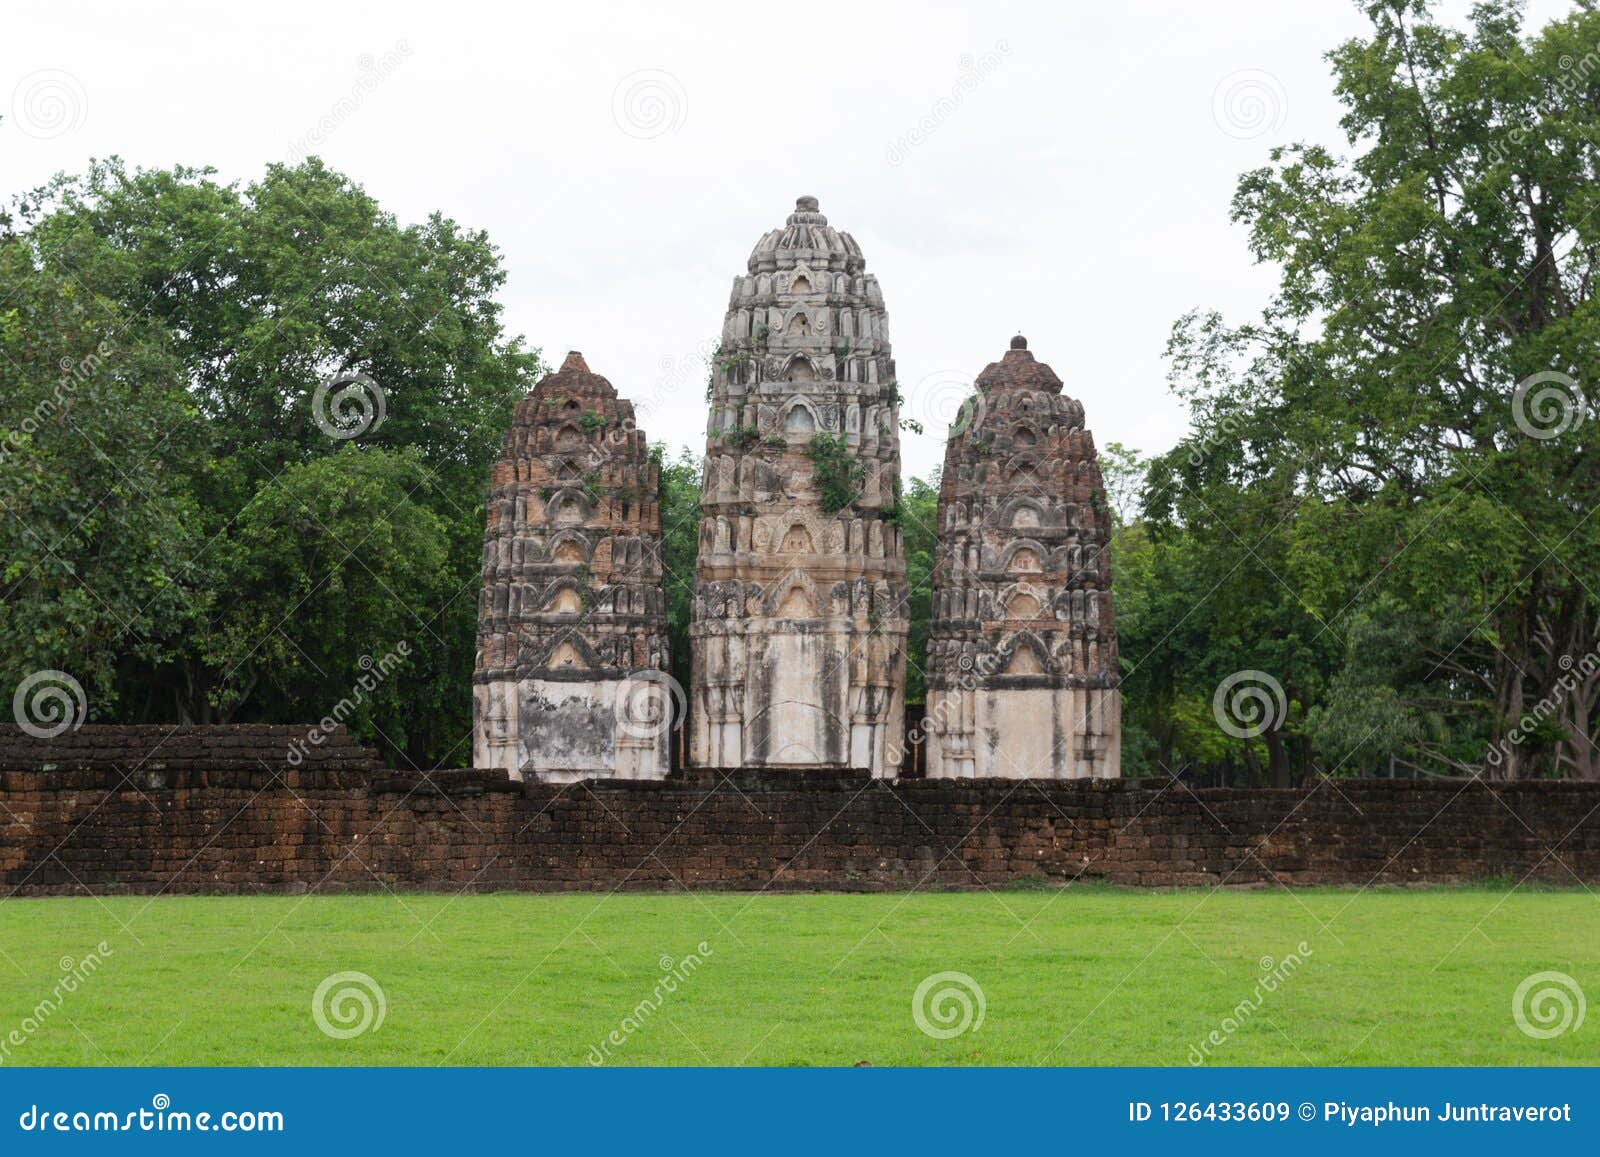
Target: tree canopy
277,410
1395,453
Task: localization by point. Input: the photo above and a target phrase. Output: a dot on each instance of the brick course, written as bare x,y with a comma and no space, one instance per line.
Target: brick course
221,810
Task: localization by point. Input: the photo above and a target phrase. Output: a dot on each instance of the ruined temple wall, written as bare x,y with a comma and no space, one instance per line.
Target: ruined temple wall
1026,733
176,830
259,809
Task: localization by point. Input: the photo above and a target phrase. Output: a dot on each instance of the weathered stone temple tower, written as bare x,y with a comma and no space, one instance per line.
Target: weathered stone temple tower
1022,648
572,631
799,619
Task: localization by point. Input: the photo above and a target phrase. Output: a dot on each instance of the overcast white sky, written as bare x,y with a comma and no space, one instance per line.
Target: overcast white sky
1074,185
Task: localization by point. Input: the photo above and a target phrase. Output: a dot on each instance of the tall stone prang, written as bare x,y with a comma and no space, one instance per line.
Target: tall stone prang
570,681
1022,647
799,619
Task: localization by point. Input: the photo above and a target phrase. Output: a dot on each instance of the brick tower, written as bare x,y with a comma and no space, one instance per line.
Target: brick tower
799,619
570,680
1022,647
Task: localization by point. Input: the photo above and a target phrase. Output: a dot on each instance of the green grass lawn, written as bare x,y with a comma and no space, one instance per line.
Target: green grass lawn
1083,976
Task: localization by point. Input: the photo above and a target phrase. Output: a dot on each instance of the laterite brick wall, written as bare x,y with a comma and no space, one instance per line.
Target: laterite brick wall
225,810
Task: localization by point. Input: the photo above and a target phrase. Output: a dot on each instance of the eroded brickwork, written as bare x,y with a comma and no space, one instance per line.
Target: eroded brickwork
1022,646
118,823
572,628
799,617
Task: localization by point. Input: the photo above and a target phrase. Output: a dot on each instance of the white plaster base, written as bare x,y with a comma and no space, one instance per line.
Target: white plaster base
1034,733
561,732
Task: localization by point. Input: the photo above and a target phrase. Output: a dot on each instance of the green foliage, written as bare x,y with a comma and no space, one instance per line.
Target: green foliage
917,516
680,537
591,421
837,473
336,548
183,461
102,564
1369,507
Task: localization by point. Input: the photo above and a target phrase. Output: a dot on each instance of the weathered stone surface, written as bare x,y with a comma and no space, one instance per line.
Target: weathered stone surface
572,640
91,815
1022,647
799,619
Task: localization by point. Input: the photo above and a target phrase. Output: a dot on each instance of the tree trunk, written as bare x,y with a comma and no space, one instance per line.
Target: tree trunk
1278,760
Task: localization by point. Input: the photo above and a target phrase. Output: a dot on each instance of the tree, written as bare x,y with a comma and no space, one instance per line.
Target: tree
329,569
97,515
918,516
1418,378
302,322
680,539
